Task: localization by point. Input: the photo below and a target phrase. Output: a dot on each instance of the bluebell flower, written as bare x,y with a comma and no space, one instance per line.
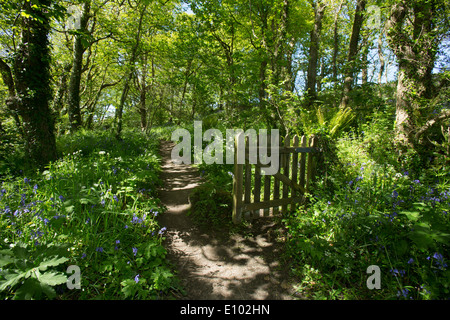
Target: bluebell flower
136,278
440,260
162,230
99,249
135,251
404,293
115,198
83,256
26,180
394,194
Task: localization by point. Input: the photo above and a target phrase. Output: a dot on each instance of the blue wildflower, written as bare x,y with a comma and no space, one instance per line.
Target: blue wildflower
99,249
136,278
135,251
440,260
404,293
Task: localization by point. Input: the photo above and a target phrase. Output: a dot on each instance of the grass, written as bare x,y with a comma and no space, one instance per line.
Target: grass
98,202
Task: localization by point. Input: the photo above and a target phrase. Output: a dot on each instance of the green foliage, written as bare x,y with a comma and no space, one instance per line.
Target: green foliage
28,272
371,212
99,200
211,205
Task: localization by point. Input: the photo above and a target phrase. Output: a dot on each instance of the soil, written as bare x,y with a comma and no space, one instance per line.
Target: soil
213,264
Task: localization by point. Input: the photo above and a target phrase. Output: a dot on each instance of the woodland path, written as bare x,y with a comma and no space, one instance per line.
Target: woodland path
214,265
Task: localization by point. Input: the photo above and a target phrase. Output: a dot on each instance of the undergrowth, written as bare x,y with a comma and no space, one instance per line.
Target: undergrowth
98,202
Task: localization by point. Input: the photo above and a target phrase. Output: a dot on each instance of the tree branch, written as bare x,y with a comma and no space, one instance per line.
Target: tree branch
445,114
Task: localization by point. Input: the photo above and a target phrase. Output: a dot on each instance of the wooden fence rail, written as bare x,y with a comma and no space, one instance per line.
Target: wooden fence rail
257,195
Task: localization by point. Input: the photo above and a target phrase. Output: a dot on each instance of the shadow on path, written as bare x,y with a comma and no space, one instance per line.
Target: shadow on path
212,265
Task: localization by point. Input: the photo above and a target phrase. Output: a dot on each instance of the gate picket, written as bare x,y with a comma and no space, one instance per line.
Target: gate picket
284,189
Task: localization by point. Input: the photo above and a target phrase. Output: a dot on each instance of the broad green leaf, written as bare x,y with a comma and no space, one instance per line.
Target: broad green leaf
129,287
29,290
5,260
11,280
21,252
412,215
53,278
49,291
52,263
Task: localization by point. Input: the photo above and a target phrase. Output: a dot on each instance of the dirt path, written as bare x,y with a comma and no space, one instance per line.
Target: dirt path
212,265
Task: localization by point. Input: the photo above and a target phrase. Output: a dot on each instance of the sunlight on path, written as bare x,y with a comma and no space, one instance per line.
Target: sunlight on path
214,266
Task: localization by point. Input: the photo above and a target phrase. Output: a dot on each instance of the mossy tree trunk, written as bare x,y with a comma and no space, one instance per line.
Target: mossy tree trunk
31,69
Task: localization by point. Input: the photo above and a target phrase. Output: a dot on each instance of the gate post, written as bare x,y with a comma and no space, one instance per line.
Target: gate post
238,179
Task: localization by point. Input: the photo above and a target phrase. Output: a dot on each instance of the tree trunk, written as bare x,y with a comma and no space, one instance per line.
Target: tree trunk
8,80
381,58
32,84
126,87
416,53
73,100
365,63
311,93
335,51
353,52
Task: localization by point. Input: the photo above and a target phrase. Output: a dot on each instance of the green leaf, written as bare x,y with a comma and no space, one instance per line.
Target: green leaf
11,279
129,287
21,252
53,278
412,215
29,290
51,263
421,236
5,260
49,291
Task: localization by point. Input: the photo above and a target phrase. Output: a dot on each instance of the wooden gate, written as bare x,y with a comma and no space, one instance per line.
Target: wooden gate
257,195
